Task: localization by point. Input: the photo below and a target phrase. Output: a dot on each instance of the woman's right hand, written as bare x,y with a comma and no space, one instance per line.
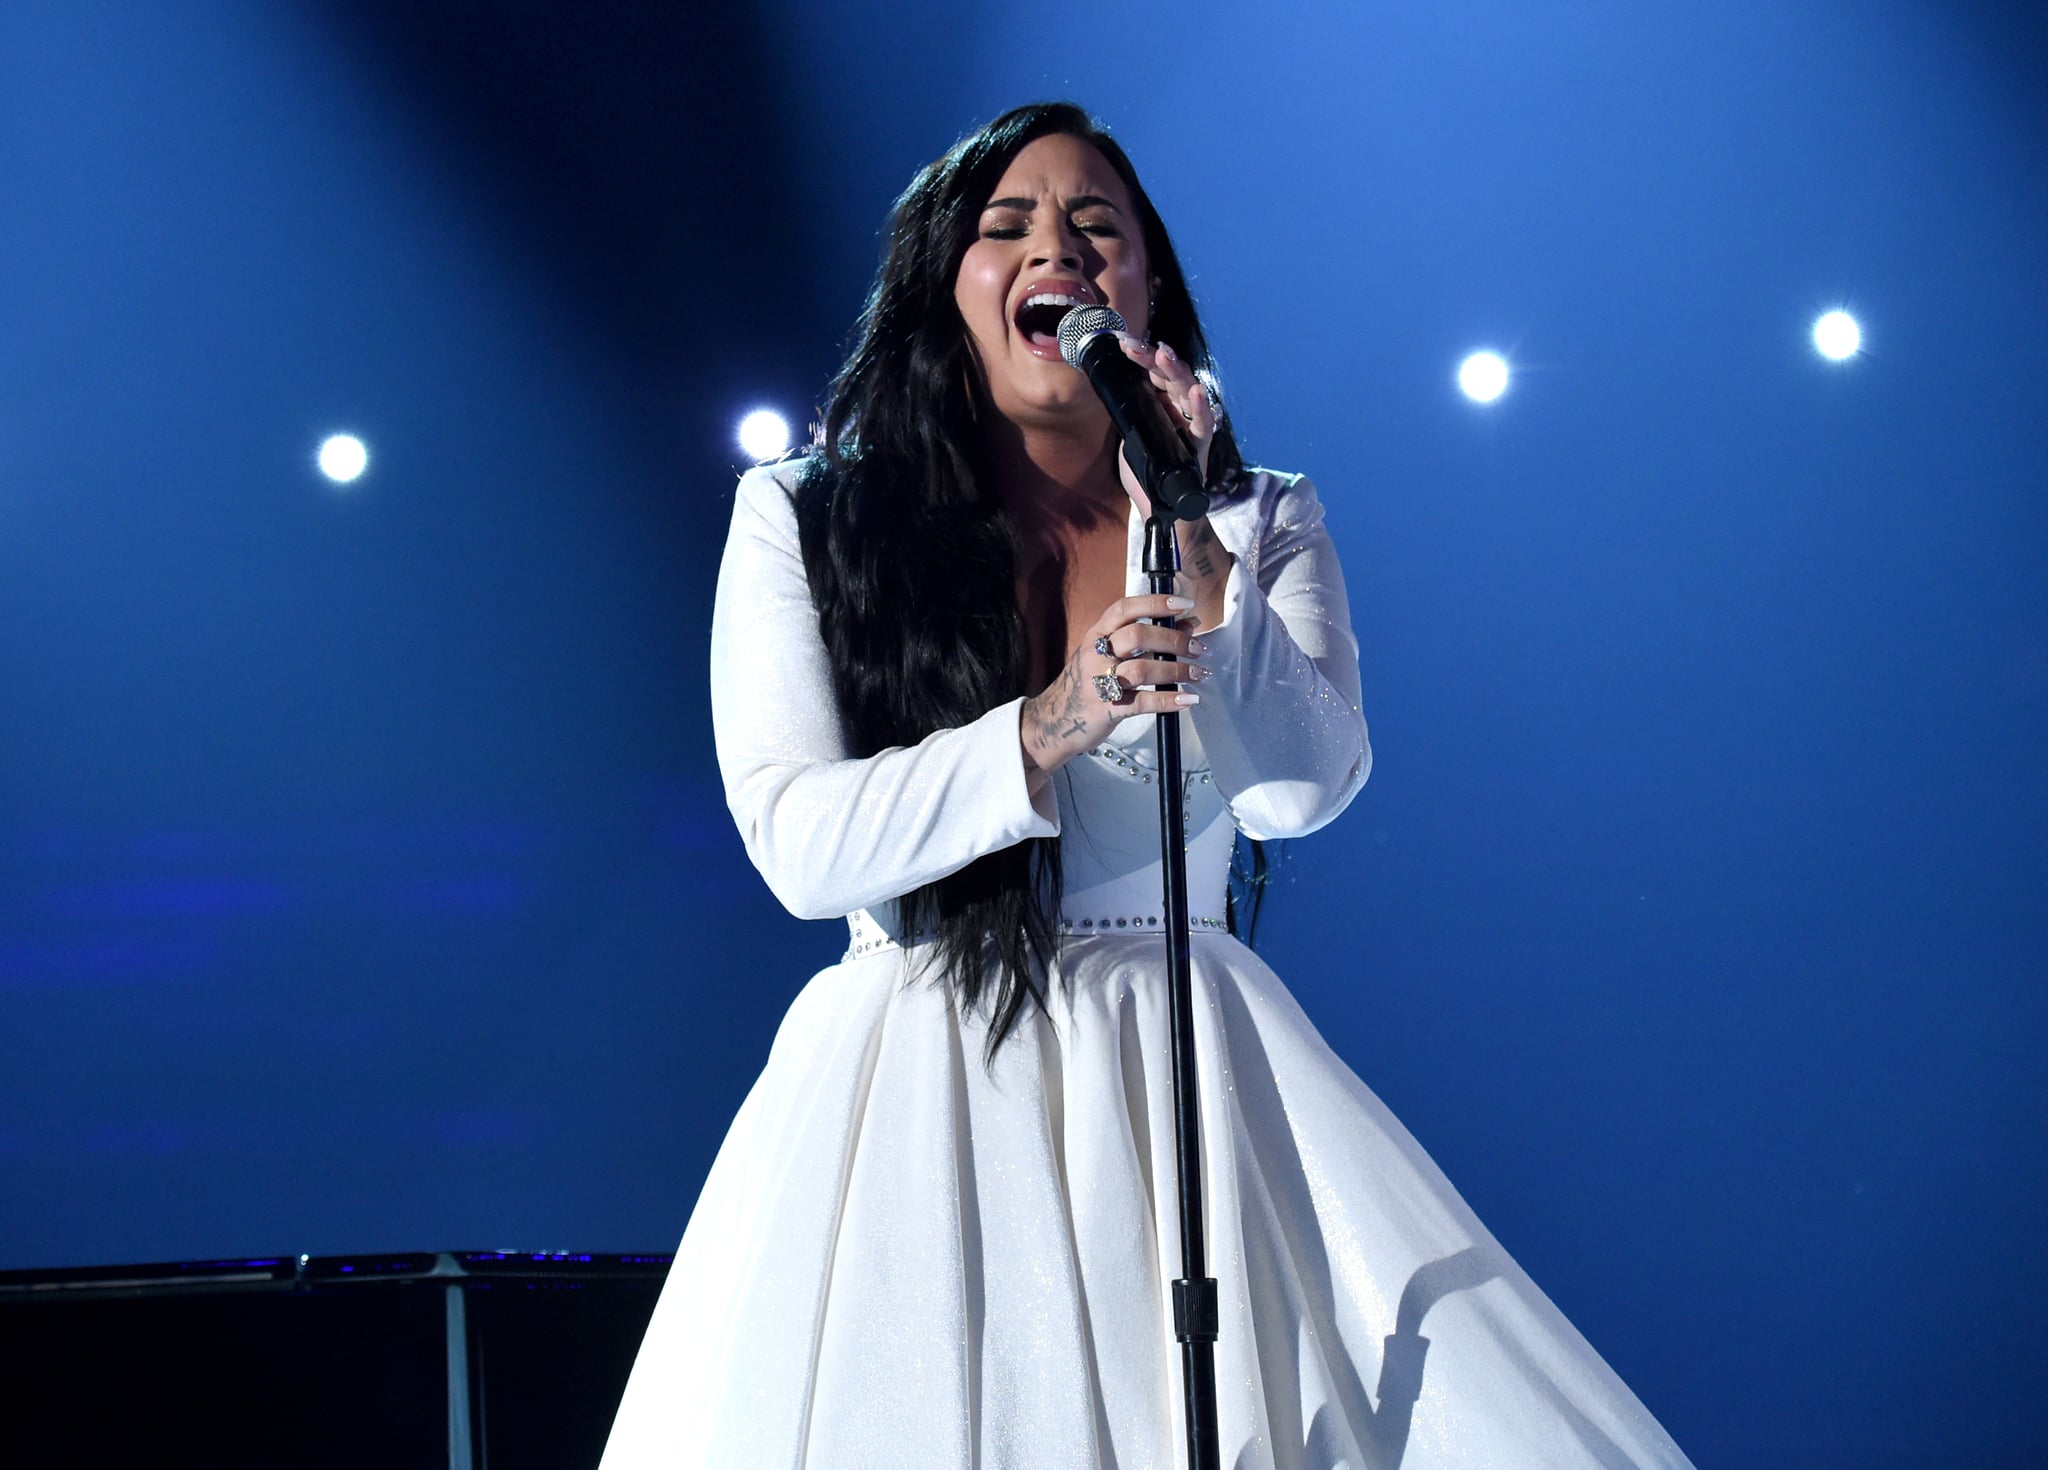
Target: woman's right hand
1072,716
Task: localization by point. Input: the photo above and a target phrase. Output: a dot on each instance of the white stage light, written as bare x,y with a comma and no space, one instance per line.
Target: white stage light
343,458
1837,337
1483,376
763,434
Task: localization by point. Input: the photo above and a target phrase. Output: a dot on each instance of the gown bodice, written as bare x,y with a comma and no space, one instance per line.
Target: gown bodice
1276,748
1109,842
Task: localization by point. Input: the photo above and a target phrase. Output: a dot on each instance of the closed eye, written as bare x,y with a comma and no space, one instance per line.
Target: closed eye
1018,232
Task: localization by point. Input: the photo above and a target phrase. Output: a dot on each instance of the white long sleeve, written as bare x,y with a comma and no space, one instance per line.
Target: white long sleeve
832,834
1280,714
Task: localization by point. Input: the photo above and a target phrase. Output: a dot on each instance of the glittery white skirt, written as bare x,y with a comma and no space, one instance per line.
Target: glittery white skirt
901,1258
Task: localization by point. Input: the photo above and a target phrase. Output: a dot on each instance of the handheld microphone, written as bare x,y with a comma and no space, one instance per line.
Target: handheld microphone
1159,456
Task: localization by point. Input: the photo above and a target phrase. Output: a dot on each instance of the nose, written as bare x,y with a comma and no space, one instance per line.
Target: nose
1067,249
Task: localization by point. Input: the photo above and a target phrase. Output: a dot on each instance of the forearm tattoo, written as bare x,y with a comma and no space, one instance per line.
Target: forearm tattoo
1055,715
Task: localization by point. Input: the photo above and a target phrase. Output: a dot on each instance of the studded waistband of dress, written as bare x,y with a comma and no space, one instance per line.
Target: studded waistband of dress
872,940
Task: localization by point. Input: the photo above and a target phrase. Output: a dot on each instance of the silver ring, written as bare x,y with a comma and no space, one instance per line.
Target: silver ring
1110,689
1102,647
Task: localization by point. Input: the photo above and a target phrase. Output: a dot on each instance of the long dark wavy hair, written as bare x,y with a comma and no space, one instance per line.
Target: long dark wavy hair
903,541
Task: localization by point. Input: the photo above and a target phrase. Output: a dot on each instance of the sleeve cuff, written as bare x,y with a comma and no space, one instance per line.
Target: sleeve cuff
1029,798
1226,639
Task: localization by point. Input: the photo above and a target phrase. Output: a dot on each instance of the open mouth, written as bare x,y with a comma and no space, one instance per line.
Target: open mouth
1038,319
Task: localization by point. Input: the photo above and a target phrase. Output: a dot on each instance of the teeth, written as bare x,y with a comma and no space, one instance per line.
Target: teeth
1051,298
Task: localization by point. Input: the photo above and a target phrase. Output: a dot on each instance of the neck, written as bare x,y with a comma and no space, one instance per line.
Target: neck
1052,482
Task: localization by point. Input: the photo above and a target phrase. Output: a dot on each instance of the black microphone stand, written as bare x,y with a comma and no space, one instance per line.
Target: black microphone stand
1194,1294
1173,482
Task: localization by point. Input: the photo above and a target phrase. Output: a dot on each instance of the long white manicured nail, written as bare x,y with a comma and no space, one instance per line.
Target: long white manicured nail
1187,699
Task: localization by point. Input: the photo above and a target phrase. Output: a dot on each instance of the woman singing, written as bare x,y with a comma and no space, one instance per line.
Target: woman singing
941,1230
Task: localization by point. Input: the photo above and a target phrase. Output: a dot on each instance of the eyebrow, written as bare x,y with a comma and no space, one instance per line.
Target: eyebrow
1079,201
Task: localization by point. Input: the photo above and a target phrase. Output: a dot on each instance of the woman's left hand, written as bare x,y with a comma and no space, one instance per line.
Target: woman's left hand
1204,562
1187,405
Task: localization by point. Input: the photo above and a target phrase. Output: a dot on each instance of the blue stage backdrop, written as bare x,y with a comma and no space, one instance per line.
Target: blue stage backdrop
365,880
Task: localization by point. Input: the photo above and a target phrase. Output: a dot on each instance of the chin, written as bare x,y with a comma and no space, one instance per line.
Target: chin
1055,390
1044,411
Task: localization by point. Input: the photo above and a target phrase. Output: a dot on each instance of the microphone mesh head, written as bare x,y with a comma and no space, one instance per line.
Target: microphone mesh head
1081,323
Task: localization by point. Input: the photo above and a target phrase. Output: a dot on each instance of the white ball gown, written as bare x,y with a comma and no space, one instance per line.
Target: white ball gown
901,1258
